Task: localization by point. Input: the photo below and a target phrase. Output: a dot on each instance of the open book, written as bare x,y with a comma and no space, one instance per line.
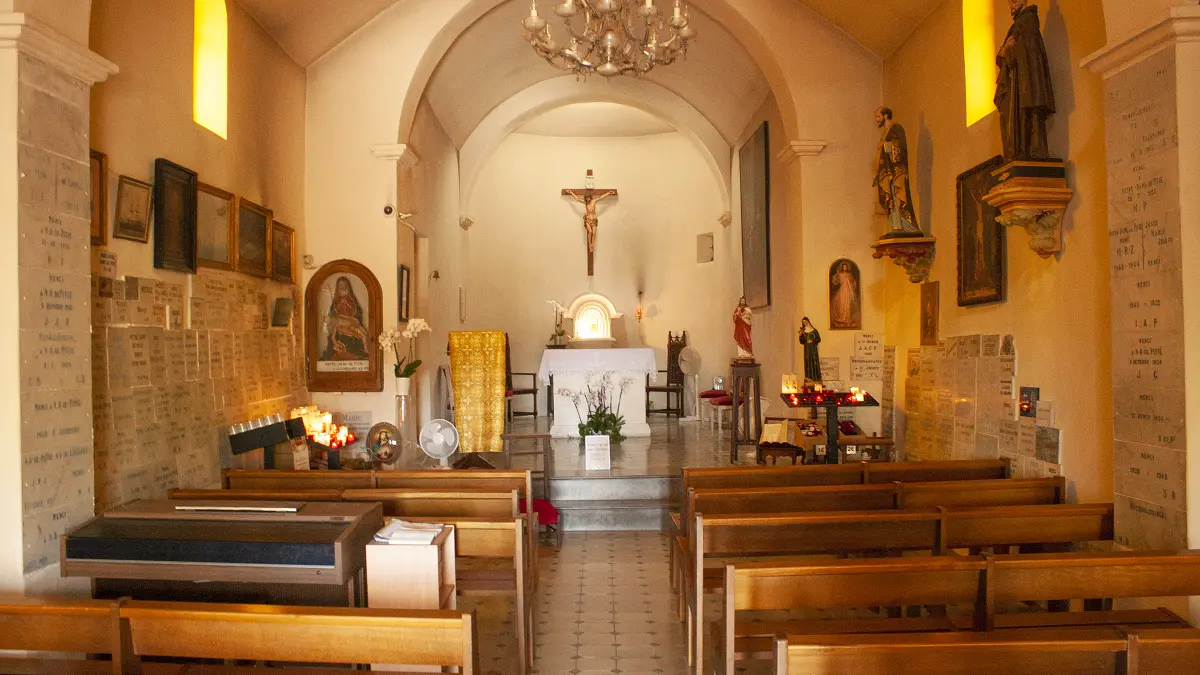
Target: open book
404,532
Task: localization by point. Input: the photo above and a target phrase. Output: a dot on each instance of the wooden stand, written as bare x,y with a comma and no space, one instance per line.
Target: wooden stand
746,415
406,576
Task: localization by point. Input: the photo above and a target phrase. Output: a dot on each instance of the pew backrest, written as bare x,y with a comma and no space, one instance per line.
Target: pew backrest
739,535
291,479
1048,524
401,502
259,495
52,625
986,492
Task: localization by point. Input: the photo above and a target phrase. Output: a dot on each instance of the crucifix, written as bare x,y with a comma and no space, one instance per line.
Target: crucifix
589,196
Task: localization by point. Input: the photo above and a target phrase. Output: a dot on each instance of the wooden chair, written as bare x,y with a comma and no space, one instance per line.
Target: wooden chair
511,391
675,383
332,635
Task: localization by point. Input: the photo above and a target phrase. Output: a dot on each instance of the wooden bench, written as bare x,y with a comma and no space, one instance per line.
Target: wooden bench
404,502
48,626
296,634
1096,651
939,581
289,479
259,495
717,539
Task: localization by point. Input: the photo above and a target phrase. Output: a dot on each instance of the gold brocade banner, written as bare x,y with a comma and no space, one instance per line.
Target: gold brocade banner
477,371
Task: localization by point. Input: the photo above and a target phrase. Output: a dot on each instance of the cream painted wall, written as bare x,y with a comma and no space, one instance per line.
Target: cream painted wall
528,245
146,112
1058,310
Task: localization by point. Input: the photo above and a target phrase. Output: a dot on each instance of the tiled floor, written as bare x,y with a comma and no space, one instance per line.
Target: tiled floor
605,606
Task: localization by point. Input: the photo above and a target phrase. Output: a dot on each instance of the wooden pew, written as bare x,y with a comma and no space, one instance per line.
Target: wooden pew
296,634
1095,651
401,503
45,625
259,495
972,581
289,479
723,537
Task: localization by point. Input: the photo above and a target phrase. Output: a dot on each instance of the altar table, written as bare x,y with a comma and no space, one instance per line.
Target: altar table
571,370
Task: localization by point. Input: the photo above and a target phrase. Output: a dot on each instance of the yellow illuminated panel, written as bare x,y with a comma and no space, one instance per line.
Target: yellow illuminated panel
210,77
979,57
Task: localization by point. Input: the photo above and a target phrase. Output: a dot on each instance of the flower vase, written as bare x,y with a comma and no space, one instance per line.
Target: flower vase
403,386
403,389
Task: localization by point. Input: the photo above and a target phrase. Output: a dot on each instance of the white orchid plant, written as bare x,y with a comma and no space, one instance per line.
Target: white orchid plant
559,313
391,338
603,417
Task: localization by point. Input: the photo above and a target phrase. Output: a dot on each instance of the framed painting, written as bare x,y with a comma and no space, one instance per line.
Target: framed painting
845,295
99,198
343,319
930,312
253,239
283,243
216,228
981,240
133,210
405,291
755,161
175,197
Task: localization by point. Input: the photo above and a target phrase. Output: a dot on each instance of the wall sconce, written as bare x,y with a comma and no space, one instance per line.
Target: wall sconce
640,311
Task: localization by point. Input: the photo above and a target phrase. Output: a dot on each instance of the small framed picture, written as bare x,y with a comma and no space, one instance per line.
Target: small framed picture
216,228
253,239
99,198
175,195
283,243
405,291
133,210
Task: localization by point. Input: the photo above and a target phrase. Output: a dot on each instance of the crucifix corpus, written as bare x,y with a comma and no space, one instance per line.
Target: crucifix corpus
589,196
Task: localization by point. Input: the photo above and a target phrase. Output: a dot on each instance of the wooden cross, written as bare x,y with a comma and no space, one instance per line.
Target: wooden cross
589,196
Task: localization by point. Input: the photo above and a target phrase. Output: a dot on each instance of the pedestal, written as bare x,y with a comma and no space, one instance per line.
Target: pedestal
746,417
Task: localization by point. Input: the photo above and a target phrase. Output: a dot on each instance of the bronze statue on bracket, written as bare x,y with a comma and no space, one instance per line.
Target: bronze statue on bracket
891,178
1024,94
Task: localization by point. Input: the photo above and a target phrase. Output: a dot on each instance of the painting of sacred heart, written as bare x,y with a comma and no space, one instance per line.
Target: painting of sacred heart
845,296
342,312
981,240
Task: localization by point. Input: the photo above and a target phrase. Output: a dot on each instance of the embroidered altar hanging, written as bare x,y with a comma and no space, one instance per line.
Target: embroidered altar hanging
477,372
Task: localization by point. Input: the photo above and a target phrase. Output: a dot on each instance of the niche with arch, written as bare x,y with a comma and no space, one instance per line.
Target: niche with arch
592,315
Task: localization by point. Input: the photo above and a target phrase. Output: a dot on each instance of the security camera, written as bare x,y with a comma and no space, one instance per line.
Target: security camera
388,209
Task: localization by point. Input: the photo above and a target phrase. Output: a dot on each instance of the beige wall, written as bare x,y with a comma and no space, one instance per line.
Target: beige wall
1057,309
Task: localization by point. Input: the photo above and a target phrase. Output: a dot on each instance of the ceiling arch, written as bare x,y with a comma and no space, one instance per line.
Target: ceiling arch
560,91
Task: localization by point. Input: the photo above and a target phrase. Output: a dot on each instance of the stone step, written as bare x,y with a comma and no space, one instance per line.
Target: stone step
663,488
614,514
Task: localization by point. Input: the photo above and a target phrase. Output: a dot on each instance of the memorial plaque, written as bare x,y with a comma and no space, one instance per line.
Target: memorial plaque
1027,437
1150,474
1148,526
1150,416
55,301
52,241
1048,445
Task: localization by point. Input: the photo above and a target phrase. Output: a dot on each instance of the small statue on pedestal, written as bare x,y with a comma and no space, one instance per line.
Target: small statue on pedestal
810,338
1024,93
891,178
742,317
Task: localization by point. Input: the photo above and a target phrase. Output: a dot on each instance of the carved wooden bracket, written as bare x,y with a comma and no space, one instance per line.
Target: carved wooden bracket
914,254
1033,195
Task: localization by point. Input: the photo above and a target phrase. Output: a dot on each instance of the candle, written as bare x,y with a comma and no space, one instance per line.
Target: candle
678,11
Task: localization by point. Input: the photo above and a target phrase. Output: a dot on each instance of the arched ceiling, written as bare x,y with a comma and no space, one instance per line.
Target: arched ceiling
491,61
308,29
599,119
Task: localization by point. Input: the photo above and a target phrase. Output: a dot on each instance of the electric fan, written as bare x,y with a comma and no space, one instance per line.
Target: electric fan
689,363
439,440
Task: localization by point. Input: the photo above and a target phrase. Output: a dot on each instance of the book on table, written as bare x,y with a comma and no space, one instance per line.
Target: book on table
404,532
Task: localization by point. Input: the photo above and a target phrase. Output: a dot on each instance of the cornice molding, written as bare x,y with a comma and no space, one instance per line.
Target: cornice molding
797,149
396,152
1180,24
31,37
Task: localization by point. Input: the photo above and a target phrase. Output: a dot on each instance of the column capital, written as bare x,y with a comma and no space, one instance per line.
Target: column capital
30,36
1179,24
796,149
396,152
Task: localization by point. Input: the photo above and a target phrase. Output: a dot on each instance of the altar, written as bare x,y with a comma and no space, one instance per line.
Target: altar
574,369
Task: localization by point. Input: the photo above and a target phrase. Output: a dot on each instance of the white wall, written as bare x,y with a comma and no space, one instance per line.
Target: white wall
528,244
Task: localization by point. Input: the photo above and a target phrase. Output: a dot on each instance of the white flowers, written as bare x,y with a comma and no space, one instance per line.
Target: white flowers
391,337
416,327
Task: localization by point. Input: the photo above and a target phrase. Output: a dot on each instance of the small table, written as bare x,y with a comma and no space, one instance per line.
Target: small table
831,402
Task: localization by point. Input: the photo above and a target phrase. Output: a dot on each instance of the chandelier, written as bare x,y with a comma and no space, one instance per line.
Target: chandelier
611,37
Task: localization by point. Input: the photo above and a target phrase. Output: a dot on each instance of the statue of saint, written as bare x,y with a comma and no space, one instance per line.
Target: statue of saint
891,178
742,316
1024,95
810,338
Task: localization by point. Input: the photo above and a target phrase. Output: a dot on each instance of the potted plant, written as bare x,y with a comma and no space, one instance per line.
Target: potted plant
559,336
406,366
603,416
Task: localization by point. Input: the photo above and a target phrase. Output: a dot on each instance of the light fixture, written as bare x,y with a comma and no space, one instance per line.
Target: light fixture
611,37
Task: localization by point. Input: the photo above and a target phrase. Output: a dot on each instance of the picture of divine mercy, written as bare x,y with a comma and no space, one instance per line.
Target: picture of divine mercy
845,296
344,333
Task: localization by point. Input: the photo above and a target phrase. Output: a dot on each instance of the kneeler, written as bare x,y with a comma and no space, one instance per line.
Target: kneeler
477,372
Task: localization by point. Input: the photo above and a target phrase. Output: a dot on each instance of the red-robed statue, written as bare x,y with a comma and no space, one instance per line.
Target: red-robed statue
742,317
1024,94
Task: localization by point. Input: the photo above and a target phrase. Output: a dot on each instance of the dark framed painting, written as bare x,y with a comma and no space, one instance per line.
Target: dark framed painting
981,240
132,220
175,199
404,279
755,162
343,319
99,198
283,245
216,228
253,239
931,293
845,295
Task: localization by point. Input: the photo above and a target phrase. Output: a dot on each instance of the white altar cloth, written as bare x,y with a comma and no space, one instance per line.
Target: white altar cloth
571,367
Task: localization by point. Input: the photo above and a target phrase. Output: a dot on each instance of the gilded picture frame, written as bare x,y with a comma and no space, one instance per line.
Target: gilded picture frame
216,228
343,318
132,221
253,239
283,257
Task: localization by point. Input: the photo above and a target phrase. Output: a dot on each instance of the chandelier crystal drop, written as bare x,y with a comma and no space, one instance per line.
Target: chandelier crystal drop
611,37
